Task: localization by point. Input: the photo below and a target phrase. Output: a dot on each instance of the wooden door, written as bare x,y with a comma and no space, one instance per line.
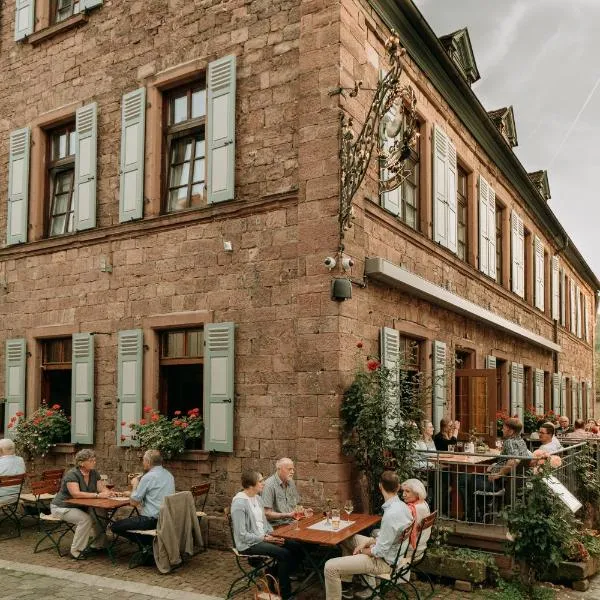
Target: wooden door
475,402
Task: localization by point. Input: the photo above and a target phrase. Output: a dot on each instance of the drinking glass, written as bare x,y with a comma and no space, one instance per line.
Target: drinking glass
308,512
450,447
348,508
499,444
298,514
335,519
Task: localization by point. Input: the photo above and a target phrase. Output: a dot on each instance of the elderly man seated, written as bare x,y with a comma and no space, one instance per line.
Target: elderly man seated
579,430
549,441
279,494
10,464
563,426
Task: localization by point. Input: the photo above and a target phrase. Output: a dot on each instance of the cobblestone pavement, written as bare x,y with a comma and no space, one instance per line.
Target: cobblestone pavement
206,576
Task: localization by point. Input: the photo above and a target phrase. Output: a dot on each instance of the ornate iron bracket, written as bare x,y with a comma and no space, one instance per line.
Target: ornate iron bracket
355,155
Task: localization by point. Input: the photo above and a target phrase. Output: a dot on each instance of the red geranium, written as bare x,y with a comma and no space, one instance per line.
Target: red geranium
177,413
373,364
19,413
359,344
147,409
155,417
55,406
123,423
49,413
123,438
143,421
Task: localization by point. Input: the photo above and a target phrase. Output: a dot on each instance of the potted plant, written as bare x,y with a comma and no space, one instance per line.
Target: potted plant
36,434
170,436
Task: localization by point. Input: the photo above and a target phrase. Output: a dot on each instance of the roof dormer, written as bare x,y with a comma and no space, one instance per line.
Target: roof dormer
458,46
540,180
504,120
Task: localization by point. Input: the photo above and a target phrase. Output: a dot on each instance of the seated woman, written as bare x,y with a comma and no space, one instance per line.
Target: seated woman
422,462
414,495
82,481
252,532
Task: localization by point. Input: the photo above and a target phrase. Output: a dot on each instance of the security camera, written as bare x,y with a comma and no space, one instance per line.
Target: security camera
329,262
347,263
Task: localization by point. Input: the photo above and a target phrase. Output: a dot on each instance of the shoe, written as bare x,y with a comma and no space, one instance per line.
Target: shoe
80,556
367,593
347,593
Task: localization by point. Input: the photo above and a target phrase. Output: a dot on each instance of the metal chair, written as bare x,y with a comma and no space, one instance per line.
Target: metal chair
52,474
33,504
52,528
9,511
200,494
490,500
252,566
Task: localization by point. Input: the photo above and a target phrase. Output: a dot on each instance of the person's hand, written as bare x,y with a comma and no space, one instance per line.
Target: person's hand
360,547
456,425
105,494
274,540
493,476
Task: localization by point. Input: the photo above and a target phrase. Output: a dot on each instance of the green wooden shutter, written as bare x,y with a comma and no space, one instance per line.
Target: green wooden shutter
18,186
129,386
563,298
389,342
578,397
440,186
221,129
539,273
133,124
24,17
539,391
586,329
556,378
578,310
82,389
452,222
517,391
14,381
572,307
491,219
86,125
555,288
219,353
439,382
490,362
484,232
89,4
563,395
517,239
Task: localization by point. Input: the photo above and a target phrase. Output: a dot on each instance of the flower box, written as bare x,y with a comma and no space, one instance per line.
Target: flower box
463,569
63,448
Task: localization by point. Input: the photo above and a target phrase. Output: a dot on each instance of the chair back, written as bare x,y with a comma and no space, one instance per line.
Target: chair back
200,494
425,525
15,482
52,474
402,538
45,487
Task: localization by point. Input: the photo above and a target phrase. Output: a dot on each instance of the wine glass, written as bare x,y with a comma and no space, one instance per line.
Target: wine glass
348,508
298,514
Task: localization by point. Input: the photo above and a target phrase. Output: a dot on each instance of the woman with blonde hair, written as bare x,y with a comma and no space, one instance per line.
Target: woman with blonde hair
414,496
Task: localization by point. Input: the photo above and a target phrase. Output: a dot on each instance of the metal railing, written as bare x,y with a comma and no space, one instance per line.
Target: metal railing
460,489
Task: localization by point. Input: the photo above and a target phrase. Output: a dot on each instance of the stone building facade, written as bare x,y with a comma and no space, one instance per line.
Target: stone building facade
172,177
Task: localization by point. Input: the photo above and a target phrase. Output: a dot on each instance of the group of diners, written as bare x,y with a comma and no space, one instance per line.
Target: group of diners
263,505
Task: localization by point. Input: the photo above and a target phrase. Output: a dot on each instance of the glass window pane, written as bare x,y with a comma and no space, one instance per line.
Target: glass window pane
63,181
182,150
180,175
199,170
198,190
195,342
175,344
57,225
180,109
61,204
72,139
198,104
200,148
178,199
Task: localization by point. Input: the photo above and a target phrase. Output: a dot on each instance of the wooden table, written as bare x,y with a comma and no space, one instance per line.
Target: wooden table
327,539
109,506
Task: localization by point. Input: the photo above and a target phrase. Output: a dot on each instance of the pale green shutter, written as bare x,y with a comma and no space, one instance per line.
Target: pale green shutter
517,239
440,185
82,389
484,231
14,381
588,399
24,17
539,391
539,273
563,298
18,186
439,382
579,399
133,123
129,383
574,400
578,310
556,406
86,125
389,341
452,223
491,218
219,353
89,4
517,391
221,129
586,329
563,395
572,307
555,289
490,362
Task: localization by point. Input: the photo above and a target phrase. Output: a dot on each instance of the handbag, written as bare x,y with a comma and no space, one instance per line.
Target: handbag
267,588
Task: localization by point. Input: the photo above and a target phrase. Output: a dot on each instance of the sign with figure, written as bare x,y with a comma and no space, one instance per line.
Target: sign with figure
563,493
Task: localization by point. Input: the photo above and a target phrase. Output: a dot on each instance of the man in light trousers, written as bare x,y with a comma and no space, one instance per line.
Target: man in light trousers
370,556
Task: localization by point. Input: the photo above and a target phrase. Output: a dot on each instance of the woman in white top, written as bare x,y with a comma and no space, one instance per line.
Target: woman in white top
424,443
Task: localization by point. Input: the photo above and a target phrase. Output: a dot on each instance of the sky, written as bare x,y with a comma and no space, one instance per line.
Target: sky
542,57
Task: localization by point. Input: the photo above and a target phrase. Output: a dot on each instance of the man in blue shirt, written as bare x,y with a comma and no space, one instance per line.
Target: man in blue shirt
148,492
370,556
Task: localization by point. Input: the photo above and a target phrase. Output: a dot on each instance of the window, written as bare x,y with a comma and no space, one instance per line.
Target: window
499,220
461,213
181,370
63,9
56,372
61,173
186,148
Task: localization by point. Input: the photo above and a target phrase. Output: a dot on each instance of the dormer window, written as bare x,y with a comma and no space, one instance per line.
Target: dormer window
540,181
504,120
458,46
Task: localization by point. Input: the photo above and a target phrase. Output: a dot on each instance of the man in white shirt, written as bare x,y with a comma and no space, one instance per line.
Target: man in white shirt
9,465
549,441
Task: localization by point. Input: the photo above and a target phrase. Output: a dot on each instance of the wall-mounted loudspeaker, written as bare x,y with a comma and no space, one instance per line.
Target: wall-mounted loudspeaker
341,289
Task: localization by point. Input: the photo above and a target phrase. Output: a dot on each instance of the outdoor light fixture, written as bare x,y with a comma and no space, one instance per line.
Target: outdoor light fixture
399,126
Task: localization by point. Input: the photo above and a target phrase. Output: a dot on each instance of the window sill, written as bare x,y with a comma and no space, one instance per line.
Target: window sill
194,455
39,36
63,449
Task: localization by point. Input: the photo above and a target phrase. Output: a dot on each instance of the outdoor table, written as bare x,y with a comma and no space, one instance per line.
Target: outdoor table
328,539
110,506
466,463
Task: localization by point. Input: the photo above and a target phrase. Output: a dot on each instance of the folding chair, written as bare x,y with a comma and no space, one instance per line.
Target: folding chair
35,503
200,494
52,528
52,474
252,566
9,511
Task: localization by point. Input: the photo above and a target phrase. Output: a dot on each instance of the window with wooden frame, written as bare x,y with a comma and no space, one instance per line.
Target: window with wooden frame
181,370
56,372
409,354
61,10
499,219
461,213
185,144
61,174
409,211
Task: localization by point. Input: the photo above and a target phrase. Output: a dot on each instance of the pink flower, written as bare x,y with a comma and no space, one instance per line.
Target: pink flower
143,422
10,425
19,413
155,417
373,364
555,461
49,413
123,423
147,409
184,425
123,438
177,413
56,407
176,422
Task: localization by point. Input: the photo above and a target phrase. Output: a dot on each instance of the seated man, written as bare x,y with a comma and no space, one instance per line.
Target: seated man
563,426
9,465
279,494
369,556
148,492
579,430
513,445
549,441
